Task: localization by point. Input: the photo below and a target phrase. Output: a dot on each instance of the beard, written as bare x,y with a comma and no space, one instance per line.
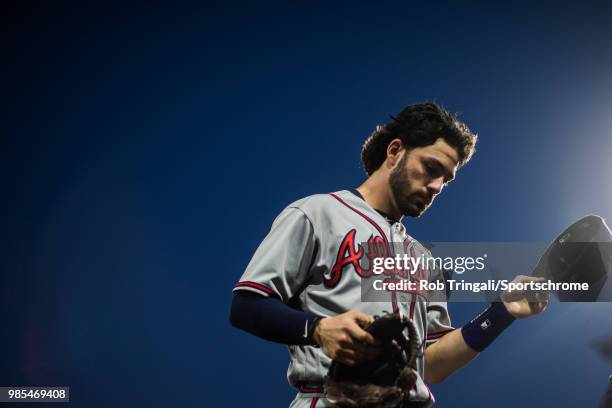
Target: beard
409,202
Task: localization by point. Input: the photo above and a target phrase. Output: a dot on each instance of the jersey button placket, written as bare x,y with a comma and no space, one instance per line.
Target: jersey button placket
398,230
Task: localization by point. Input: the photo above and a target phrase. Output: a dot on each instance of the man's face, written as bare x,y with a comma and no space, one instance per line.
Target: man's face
420,175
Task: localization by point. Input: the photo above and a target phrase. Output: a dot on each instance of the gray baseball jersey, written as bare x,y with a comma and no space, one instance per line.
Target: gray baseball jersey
312,258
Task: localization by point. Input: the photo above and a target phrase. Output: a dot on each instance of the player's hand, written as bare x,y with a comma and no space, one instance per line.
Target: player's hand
525,303
343,339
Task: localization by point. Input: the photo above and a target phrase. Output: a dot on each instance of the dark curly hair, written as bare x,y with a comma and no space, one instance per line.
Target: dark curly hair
417,126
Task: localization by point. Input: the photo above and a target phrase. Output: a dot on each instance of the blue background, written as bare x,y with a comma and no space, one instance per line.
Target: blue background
146,149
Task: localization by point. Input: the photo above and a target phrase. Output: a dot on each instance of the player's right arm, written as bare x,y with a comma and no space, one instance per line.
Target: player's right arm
340,337
279,269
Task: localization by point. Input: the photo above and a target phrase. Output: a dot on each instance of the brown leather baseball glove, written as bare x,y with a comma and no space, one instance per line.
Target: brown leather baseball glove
384,382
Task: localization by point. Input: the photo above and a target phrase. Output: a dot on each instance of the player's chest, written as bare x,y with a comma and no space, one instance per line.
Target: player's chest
352,248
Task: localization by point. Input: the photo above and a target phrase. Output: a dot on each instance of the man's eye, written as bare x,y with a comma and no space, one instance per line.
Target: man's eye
431,169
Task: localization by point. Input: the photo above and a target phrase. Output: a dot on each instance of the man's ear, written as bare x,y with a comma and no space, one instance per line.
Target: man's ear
395,149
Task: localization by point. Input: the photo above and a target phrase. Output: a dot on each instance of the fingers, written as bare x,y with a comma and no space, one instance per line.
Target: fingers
525,279
348,351
515,293
366,351
524,300
346,356
538,301
355,353
362,342
533,296
542,297
359,335
538,307
346,341
360,318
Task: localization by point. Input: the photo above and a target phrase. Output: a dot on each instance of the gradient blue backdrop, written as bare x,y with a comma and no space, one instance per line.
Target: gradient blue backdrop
146,149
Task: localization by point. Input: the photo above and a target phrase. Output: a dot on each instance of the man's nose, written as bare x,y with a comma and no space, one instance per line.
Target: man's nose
436,186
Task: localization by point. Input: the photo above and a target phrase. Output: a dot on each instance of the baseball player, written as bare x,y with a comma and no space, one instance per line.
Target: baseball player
303,285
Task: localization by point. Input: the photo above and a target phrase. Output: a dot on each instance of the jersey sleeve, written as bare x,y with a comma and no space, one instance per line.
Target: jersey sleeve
438,321
281,263
438,318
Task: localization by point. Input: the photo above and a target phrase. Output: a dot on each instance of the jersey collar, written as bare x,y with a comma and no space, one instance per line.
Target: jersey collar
391,220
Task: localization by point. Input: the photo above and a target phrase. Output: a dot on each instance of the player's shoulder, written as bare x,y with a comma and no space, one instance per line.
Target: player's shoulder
316,205
316,202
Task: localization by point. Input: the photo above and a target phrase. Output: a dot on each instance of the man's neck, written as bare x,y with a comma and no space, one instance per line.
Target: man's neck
377,194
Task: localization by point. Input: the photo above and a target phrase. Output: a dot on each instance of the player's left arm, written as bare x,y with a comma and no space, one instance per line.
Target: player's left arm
457,348
446,356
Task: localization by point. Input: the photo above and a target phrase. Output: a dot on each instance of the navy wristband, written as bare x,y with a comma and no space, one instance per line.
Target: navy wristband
484,328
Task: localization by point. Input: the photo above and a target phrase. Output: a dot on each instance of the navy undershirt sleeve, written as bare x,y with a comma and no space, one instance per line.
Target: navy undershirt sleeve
271,319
